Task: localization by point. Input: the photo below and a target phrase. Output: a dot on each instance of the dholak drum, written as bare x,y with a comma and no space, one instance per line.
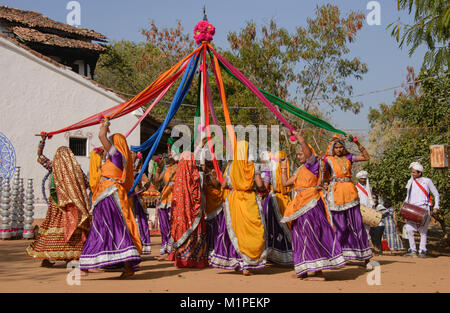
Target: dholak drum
413,213
370,217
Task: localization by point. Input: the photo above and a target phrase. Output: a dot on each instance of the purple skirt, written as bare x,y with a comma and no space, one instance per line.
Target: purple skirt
109,241
212,230
223,254
351,234
314,242
164,228
142,222
279,247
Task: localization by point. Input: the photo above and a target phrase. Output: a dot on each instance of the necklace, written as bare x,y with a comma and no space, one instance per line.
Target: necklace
342,162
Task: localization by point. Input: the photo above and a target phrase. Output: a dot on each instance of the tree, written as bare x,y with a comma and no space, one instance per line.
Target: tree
424,118
432,27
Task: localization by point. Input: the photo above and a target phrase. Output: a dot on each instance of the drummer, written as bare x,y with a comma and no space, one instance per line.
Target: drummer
418,193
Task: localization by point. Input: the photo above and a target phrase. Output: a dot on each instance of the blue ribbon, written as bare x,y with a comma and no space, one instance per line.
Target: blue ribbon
154,140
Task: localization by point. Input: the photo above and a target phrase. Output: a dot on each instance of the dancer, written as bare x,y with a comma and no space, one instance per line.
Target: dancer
114,235
138,206
343,201
278,234
418,192
187,222
213,202
164,206
240,243
315,245
64,230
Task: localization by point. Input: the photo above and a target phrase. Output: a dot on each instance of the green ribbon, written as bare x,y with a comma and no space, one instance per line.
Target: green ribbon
291,108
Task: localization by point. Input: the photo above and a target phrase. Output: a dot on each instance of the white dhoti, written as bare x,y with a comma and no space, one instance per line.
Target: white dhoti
412,227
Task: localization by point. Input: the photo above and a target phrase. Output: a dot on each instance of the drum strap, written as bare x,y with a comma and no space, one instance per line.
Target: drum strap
425,192
362,189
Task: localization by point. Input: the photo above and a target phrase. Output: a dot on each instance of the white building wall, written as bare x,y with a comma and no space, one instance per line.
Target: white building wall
36,96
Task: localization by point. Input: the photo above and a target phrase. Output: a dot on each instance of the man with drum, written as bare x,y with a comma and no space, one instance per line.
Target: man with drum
418,193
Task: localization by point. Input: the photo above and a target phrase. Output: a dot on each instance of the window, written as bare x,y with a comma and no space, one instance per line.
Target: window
78,146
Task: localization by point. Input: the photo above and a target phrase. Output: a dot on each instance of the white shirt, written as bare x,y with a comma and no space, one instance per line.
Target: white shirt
417,196
363,199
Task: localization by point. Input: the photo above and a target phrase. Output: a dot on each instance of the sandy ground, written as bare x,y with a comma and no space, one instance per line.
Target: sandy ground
19,273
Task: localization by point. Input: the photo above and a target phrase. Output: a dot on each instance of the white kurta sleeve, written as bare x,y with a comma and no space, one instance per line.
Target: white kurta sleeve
435,194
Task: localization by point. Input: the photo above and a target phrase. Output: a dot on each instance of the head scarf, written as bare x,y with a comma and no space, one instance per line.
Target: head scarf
186,197
362,174
71,191
334,140
242,172
415,166
276,177
95,173
365,174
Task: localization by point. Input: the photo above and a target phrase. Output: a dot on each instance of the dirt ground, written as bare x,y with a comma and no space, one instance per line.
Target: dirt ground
21,274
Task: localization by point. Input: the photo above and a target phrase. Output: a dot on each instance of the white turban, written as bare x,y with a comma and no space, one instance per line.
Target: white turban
415,166
362,174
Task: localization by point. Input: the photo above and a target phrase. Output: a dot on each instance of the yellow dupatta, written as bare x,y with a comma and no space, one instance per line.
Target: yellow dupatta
213,196
281,192
95,173
123,181
245,215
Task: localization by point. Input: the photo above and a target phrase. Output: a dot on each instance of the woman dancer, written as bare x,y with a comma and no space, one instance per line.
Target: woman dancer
240,243
314,242
138,207
187,222
114,235
278,235
64,230
167,176
343,201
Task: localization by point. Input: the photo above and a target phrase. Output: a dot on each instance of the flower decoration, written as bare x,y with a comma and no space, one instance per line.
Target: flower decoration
204,31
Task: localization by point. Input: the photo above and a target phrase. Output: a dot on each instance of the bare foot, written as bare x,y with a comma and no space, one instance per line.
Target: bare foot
47,263
96,270
246,273
126,275
128,271
302,276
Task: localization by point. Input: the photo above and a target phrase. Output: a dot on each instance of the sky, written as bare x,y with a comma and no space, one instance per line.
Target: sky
123,20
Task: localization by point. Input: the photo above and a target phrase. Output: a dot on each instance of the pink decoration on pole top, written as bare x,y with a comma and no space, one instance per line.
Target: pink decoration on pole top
204,31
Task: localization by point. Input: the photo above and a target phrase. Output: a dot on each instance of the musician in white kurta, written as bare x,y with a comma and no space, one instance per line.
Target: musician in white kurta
364,194
415,195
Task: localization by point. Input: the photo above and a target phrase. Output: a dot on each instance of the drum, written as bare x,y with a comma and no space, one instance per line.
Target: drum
413,213
370,217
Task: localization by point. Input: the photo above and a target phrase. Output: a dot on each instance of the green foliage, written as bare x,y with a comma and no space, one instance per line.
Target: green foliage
425,118
432,27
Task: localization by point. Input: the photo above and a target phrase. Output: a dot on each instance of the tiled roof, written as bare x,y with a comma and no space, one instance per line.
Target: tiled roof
37,20
32,35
